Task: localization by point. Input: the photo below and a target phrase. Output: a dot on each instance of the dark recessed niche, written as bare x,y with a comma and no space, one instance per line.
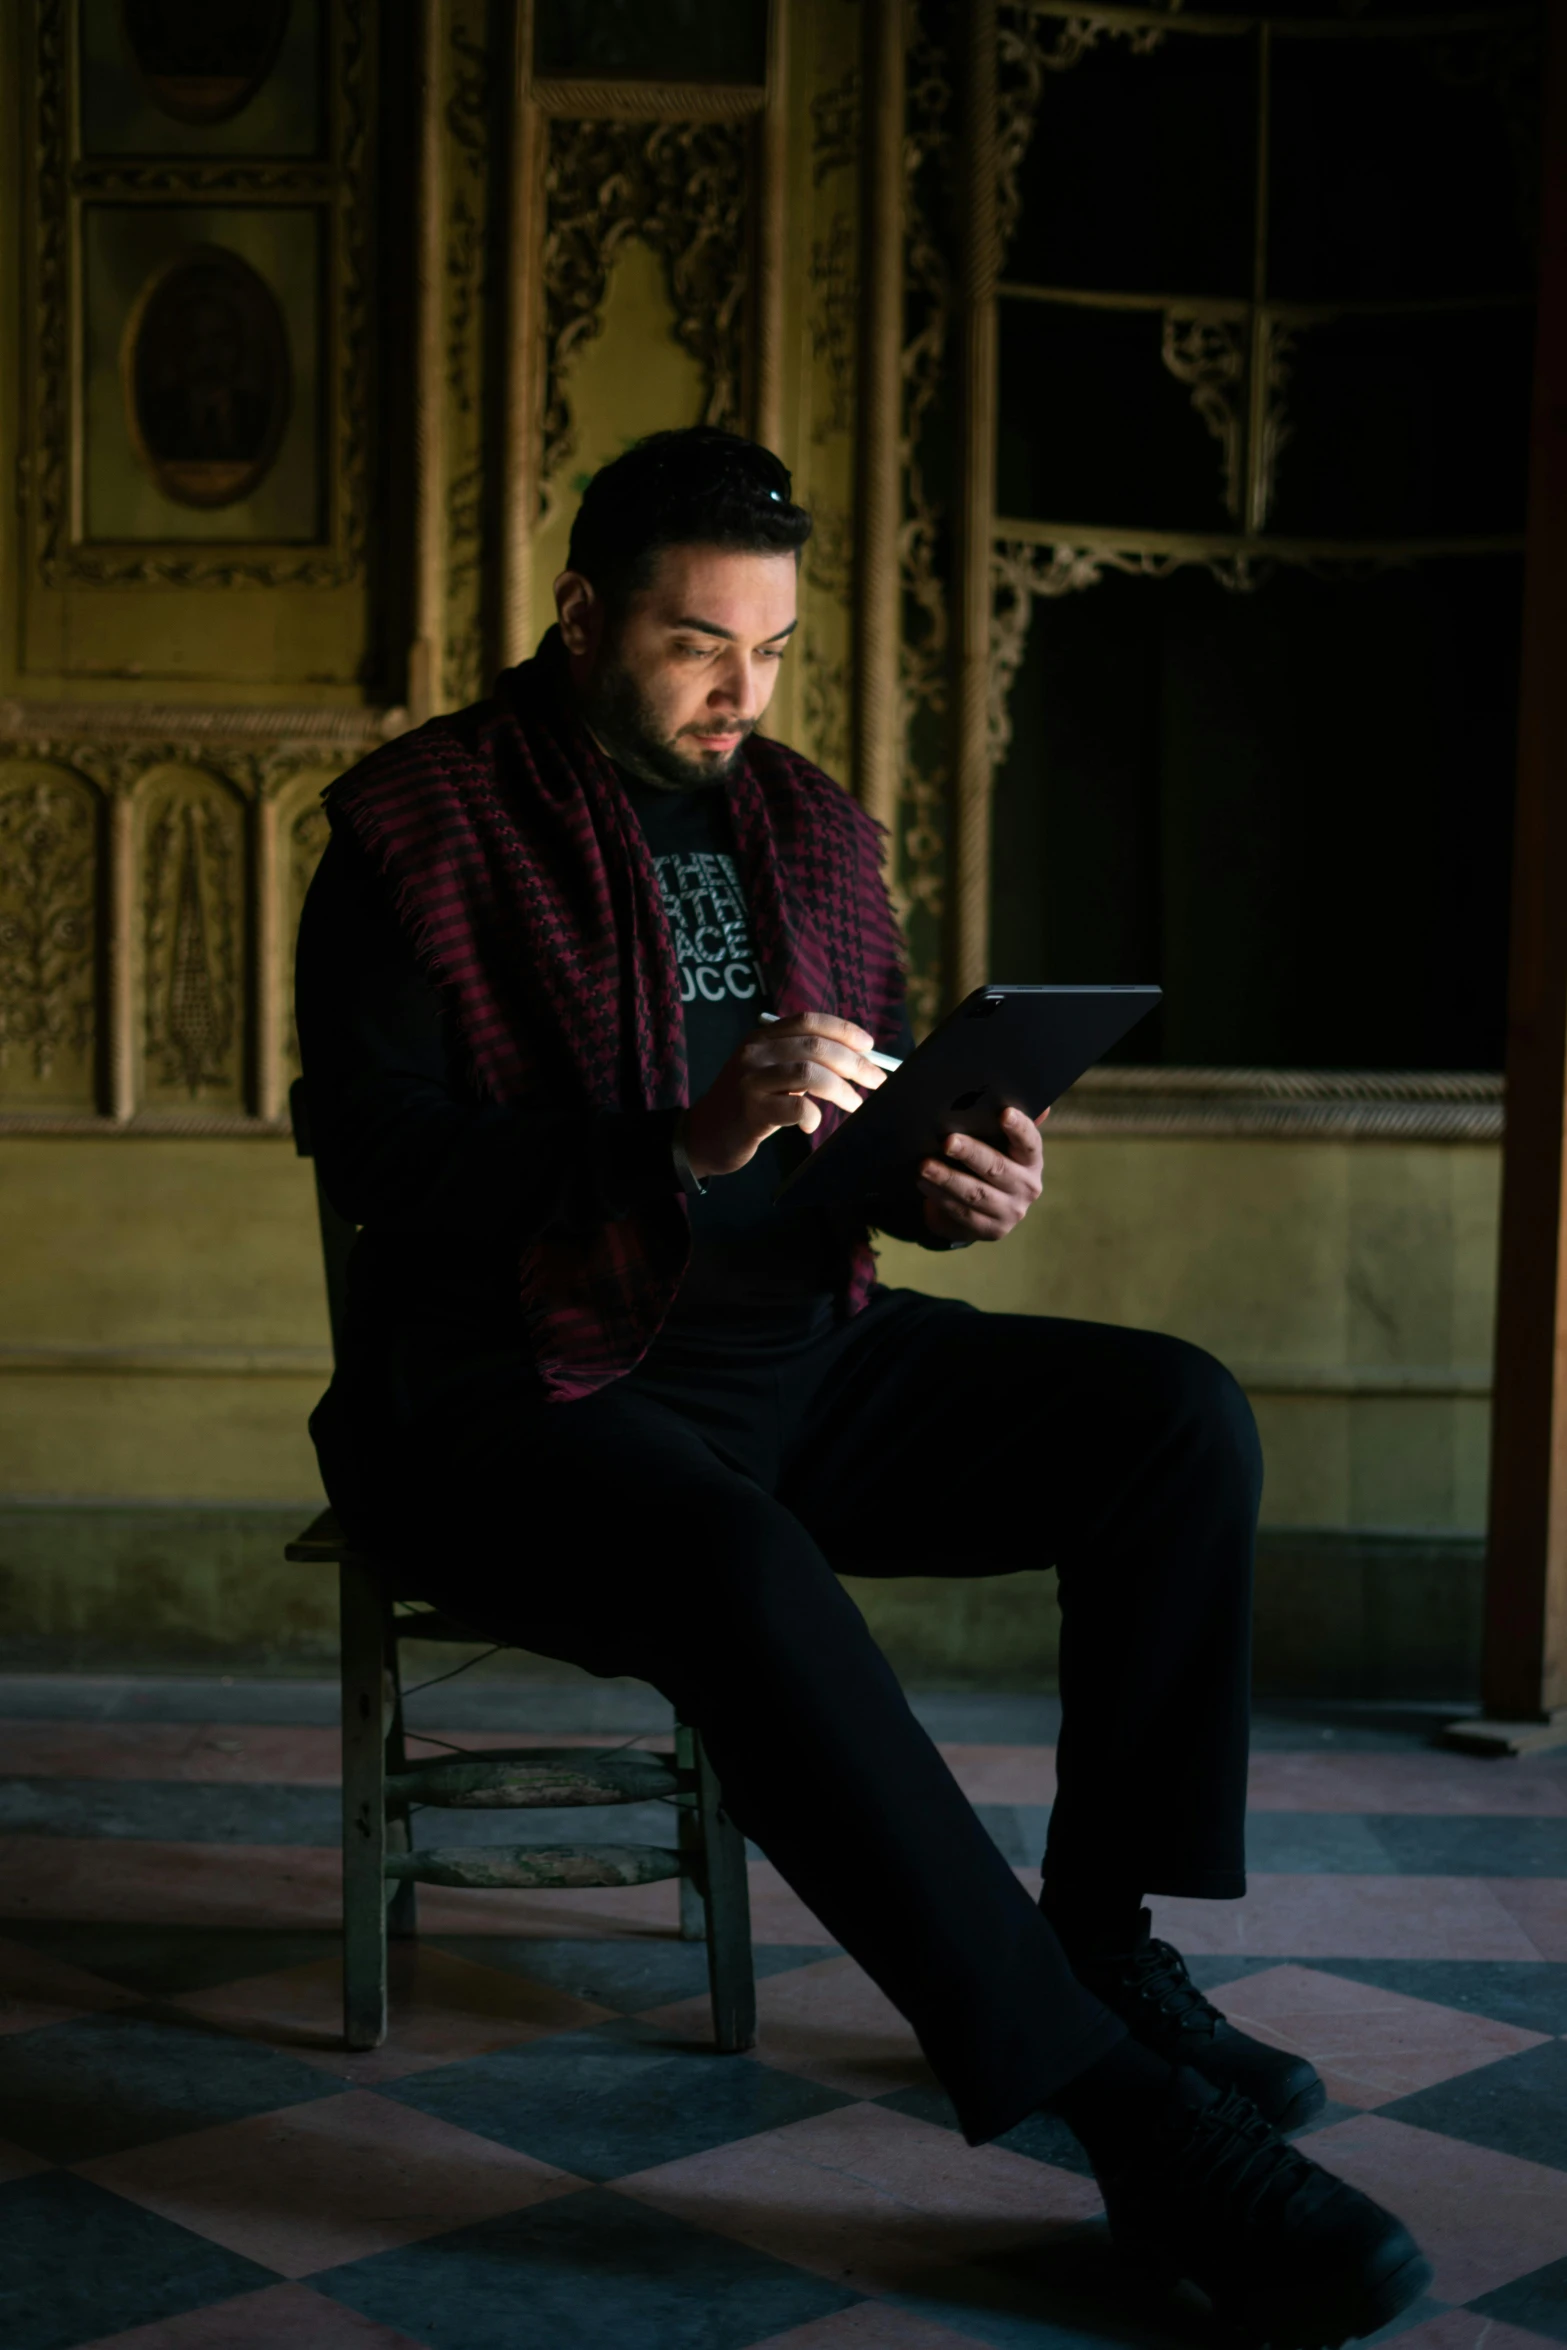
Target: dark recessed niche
663,40
1094,428
1292,809
1407,427
1399,169
1139,177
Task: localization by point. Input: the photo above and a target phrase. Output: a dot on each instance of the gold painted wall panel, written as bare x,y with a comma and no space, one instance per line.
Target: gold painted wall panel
160,1253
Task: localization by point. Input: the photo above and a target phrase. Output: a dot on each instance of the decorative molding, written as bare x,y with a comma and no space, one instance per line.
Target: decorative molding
255,764
427,549
194,918
1108,18
829,554
207,179
469,165
192,727
521,305
880,455
48,927
590,100
824,706
1022,62
1077,33
1301,1105
167,1362
155,1125
308,834
924,773
769,211
340,190
1208,356
978,273
834,281
681,187
835,127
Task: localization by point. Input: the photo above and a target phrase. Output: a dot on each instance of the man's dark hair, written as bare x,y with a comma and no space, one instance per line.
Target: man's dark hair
694,488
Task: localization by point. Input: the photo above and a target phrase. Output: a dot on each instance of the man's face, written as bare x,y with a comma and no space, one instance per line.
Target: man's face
672,693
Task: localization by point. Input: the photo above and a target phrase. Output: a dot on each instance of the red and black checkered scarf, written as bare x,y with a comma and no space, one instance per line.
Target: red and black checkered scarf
516,863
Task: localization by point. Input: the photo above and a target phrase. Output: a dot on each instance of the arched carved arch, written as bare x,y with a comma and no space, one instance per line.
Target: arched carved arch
193,857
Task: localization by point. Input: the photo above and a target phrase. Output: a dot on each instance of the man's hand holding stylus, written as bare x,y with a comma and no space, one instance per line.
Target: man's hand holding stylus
990,1189
777,1078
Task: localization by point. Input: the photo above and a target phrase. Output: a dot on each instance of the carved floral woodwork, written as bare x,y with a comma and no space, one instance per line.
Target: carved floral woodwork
153,863
307,836
681,188
193,865
834,297
468,287
1208,355
835,126
920,868
48,932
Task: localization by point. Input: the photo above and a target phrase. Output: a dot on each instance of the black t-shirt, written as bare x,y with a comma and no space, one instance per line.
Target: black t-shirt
746,1248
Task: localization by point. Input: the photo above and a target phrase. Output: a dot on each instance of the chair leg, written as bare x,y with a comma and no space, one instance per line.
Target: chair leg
726,1892
402,1911
688,1820
364,1645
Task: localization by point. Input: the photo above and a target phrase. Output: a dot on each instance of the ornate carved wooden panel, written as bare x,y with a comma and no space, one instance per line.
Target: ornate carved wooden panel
193,868
49,827
305,834
681,187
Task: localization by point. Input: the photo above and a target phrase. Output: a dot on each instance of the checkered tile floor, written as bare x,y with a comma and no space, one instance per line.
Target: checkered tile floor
546,2155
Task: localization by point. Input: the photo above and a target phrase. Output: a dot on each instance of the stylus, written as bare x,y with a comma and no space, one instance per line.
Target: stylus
887,1061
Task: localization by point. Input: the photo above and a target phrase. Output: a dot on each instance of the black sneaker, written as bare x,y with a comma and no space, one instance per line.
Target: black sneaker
1287,2254
1149,1989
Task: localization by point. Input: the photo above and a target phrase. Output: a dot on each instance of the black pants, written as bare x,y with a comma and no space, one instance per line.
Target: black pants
683,1526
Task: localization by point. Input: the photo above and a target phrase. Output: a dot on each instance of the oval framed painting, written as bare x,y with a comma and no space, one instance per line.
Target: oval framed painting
206,373
200,63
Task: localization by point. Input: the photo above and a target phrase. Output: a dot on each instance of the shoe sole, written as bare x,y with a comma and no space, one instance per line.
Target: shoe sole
1362,2311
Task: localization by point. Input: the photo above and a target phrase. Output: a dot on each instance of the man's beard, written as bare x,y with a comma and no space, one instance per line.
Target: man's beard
623,721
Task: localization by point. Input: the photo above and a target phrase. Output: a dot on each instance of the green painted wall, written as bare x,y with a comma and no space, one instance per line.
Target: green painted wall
164,1338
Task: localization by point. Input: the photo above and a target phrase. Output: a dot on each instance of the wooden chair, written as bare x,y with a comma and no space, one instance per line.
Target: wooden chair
381,1787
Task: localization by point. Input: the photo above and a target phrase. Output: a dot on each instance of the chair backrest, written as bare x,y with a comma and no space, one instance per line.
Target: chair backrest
337,1234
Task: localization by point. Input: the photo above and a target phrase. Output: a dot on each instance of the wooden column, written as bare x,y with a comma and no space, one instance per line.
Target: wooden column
120,1055
520,427
269,982
429,520
979,263
879,468
771,226
1525,1677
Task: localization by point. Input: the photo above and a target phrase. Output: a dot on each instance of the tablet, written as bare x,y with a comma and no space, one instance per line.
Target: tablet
1003,1047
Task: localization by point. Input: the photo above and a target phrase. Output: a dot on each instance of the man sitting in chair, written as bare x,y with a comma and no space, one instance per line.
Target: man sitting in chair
638,1414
